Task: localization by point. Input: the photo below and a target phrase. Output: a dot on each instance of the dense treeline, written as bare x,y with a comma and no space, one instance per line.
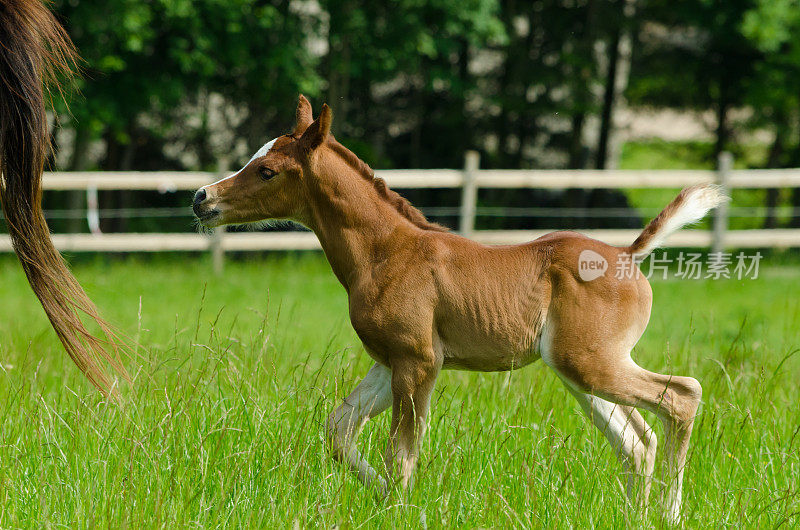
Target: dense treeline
201,84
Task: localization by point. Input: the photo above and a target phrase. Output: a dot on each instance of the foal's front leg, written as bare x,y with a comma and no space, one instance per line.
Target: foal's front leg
372,396
412,387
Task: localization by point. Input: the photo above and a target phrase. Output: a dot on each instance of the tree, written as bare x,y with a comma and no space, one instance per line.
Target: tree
693,54
150,68
774,29
398,73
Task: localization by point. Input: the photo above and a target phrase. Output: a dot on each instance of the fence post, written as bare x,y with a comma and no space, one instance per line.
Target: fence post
469,193
724,167
92,209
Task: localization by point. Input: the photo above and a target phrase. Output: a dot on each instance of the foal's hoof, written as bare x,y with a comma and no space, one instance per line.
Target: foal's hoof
672,516
381,489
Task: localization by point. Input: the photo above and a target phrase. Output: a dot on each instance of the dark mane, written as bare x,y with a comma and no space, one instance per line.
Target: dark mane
400,203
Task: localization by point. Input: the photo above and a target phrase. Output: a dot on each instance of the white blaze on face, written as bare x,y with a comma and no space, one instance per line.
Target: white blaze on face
261,152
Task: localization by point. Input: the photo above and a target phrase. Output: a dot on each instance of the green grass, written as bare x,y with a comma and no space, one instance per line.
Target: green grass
224,426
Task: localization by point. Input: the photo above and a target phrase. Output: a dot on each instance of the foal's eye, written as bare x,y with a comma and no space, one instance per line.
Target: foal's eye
266,173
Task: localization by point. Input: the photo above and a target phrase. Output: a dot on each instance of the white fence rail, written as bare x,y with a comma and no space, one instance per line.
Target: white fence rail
470,180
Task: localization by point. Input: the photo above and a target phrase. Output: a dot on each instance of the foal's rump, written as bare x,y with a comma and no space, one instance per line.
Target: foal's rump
601,301
597,289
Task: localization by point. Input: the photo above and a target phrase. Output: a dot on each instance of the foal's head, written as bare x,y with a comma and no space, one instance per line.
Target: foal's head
270,185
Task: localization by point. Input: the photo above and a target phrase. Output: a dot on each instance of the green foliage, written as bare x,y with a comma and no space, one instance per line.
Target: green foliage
389,63
179,84
416,83
772,23
146,59
774,29
697,58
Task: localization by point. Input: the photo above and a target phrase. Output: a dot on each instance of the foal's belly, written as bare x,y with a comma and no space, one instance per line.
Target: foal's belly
487,353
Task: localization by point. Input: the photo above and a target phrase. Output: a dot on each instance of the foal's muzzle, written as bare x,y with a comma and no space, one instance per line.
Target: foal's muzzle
200,208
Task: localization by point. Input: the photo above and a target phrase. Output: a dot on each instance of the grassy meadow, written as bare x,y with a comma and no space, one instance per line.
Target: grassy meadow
236,375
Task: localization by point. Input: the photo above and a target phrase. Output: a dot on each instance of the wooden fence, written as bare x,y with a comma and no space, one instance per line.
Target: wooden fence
469,180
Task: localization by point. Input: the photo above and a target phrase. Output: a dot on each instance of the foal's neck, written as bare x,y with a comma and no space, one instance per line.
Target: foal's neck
354,224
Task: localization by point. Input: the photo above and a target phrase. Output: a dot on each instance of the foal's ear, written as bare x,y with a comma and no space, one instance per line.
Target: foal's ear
303,115
317,132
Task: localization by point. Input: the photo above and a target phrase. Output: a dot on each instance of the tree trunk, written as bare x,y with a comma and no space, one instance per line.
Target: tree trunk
501,123
576,152
338,63
609,95
421,107
205,154
582,79
527,126
722,119
773,194
467,138
794,222
125,197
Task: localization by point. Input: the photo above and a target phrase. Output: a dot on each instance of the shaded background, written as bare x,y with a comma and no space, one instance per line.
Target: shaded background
179,84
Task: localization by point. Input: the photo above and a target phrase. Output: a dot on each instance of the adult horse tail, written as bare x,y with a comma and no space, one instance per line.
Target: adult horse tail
34,50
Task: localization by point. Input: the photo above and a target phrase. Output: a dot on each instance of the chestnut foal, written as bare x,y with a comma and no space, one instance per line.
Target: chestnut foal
422,299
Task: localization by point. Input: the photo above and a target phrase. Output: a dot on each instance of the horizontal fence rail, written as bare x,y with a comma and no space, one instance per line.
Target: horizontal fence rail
165,181
469,180
250,241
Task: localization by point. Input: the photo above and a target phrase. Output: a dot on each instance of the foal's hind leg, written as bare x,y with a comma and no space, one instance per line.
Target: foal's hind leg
372,396
629,435
676,406
614,377
674,399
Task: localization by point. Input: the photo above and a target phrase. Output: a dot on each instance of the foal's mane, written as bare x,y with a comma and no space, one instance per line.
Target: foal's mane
400,203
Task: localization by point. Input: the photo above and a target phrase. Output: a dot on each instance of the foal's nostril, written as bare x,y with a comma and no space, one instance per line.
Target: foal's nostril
200,196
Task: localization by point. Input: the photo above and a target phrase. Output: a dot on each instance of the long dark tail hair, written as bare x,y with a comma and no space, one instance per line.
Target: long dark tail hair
34,51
